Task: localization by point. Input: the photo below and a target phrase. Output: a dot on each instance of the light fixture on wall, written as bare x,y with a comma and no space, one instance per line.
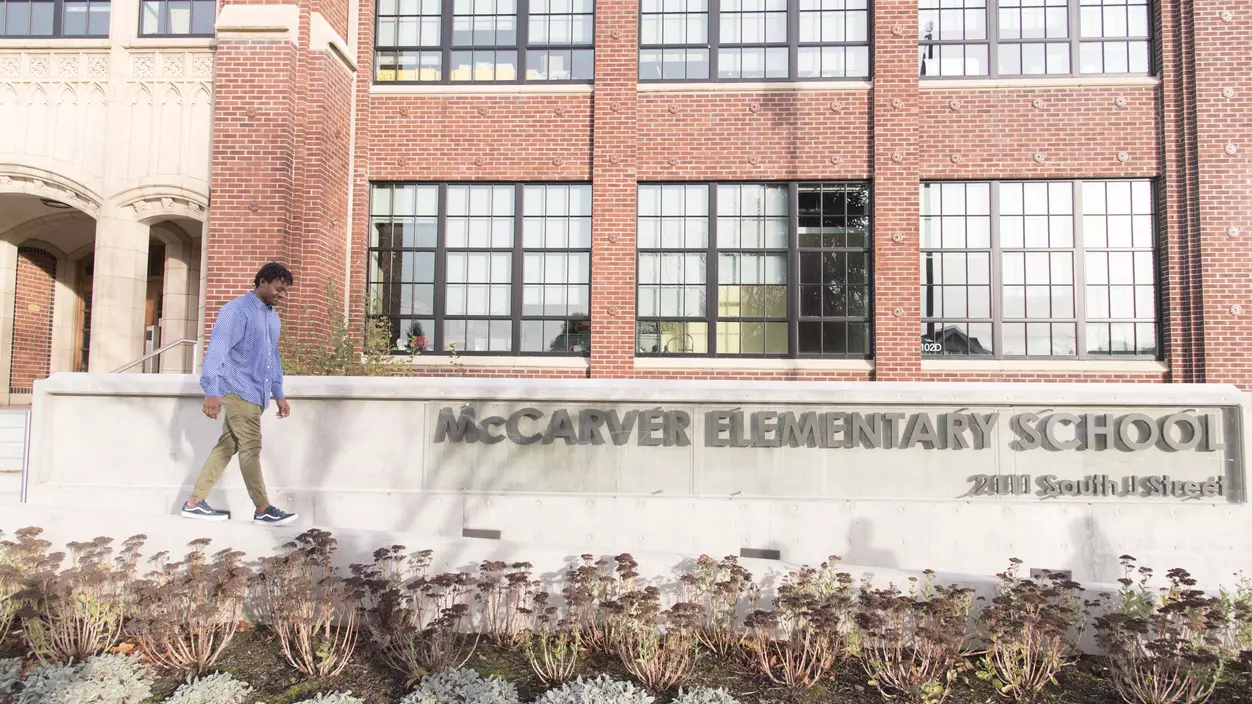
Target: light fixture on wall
53,203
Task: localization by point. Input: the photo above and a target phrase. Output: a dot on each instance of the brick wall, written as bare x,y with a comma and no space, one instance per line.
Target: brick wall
897,133
32,318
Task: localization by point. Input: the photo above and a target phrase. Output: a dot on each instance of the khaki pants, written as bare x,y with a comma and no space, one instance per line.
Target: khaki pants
241,433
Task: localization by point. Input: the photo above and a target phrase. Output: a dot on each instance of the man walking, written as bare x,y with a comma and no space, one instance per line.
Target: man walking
241,372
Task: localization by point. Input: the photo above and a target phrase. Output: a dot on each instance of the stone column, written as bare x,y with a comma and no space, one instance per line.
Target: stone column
64,310
8,292
119,290
177,307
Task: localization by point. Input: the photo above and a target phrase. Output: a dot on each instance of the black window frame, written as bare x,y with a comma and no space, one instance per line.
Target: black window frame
446,49
793,250
1080,279
164,18
439,316
58,20
1074,40
793,45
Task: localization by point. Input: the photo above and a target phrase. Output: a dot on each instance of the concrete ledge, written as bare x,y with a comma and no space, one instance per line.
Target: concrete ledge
1041,82
727,364
323,37
480,89
1094,366
259,22
672,391
762,87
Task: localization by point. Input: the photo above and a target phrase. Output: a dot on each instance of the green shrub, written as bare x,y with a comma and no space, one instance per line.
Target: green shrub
101,679
218,688
601,690
462,686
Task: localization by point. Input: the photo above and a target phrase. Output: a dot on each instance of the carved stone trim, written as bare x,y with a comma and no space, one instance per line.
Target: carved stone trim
17,183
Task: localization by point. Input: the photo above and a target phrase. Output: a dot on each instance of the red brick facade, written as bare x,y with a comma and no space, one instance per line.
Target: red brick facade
32,318
297,136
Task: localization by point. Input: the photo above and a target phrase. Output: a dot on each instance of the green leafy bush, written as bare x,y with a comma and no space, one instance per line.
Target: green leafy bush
333,698
462,686
101,679
601,690
217,688
10,676
704,695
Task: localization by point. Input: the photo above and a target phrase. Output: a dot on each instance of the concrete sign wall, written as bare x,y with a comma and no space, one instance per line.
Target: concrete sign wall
954,477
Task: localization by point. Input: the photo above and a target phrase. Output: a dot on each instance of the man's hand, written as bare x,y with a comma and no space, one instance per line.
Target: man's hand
212,406
284,408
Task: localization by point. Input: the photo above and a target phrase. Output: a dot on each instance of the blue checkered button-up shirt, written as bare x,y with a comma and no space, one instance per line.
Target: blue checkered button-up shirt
243,352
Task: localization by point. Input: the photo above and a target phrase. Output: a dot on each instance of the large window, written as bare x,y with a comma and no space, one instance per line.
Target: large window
1060,269
1033,37
487,268
483,41
178,18
754,269
753,40
54,18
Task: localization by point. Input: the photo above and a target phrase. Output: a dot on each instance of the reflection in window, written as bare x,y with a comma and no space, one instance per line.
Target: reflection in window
468,41
753,40
1002,276
760,306
1033,37
833,240
55,18
488,281
556,275
673,240
178,18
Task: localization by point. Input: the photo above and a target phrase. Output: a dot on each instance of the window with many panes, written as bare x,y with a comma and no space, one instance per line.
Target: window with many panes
54,18
1016,38
484,41
1038,269
178,18
753,269
487,268
753,40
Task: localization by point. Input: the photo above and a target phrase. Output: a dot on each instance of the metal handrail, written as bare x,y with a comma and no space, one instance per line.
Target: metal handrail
154,353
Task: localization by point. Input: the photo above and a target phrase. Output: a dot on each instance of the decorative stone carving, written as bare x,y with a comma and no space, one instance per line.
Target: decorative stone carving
613,237
957,159
1236,309
897,237
754,107
1123,156
479,160
836,106
897,312
614,311
897,157
836,160
1037,103
615,106
896,103
254,206
559,110
68,66
202,65
673,109
954,104
98,67
1227,16
613,158
142,207
142,66
1232,231
167,202
1121,101
672,161
172,65
35,187
251,112
482,112
404,112
1230,148
557,161
754,160
10,66
1038,157
39,65
1228,93
615,34
897,31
